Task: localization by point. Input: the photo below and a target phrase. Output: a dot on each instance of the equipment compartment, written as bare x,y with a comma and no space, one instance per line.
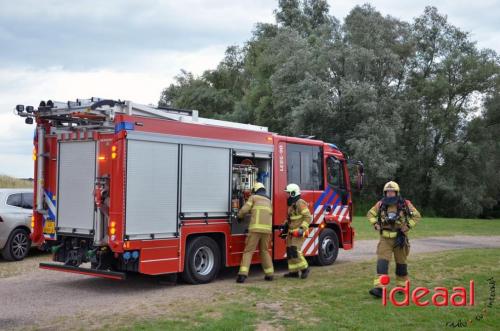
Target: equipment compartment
247,169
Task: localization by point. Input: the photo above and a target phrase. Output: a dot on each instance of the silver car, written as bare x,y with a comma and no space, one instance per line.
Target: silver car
16,209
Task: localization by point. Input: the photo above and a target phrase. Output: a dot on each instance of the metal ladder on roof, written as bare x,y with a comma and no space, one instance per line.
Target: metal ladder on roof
102,111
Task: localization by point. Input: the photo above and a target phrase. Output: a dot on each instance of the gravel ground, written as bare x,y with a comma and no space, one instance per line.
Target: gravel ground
42,299
365,249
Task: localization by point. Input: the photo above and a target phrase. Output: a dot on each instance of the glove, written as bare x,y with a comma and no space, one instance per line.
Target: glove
284,231
377,226
300,233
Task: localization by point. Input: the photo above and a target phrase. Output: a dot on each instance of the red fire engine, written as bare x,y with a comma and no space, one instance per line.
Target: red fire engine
122,187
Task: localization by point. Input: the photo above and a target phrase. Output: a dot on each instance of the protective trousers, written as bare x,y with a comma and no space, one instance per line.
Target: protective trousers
296,260
253,239
385,250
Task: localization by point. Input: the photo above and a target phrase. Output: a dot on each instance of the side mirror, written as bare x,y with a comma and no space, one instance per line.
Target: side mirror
358,180
344,197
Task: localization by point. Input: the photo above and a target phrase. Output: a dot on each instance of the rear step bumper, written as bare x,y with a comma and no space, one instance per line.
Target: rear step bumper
84,271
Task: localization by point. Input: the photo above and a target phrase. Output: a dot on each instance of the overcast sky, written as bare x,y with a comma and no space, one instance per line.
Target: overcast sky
63,50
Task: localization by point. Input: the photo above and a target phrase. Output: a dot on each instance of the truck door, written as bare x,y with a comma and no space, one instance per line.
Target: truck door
338,209
152,186
76,177
304,168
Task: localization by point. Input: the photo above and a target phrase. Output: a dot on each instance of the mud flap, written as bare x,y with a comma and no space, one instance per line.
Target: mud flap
84,271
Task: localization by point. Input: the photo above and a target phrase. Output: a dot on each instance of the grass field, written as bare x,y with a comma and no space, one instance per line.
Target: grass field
428,227
337,298
11,182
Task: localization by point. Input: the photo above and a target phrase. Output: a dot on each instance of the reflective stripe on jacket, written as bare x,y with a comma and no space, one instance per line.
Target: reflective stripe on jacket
299,215
413,218
262,213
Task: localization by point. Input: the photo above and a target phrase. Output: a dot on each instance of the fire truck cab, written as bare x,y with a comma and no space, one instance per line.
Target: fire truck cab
122,187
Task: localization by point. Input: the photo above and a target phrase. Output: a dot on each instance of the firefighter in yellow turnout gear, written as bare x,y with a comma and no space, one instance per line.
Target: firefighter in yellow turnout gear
393,217
259,232
299,218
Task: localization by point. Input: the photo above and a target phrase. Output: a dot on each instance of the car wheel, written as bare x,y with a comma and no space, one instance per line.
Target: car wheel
328,248
202,262
17,246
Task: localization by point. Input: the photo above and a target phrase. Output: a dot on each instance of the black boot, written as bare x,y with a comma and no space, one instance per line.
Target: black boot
376,292
269,278
241,279
305,273
294,274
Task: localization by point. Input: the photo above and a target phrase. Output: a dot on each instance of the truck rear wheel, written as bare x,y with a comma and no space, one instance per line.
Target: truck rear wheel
328,249
203,260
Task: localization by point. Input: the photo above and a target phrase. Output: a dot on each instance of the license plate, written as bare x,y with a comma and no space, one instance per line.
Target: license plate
49,227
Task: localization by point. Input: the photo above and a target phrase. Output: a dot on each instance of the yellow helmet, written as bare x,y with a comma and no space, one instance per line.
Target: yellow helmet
293,189
257,186
391,186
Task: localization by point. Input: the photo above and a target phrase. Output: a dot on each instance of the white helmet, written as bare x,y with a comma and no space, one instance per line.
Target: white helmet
293,190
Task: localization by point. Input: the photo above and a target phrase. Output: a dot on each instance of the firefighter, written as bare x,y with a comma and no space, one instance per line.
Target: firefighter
259,232
296,229
393,217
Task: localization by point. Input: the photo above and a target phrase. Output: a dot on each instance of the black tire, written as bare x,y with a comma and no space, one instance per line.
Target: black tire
17,246
202,261
328,248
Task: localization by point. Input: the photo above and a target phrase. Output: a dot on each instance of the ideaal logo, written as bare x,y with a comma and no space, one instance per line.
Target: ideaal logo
439,296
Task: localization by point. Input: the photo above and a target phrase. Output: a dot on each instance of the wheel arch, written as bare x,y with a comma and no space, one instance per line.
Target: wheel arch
218,237
23,227
335,227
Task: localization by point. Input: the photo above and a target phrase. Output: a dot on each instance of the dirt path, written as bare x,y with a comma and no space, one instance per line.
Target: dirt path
37,297
365,249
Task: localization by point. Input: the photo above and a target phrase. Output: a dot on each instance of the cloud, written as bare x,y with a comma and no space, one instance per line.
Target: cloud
20,165
126,82
94,34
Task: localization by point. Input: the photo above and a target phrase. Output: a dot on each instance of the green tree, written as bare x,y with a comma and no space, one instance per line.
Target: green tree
417,101
446,76
215,92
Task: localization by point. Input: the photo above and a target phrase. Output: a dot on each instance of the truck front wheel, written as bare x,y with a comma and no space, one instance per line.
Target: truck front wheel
328,249
203,260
